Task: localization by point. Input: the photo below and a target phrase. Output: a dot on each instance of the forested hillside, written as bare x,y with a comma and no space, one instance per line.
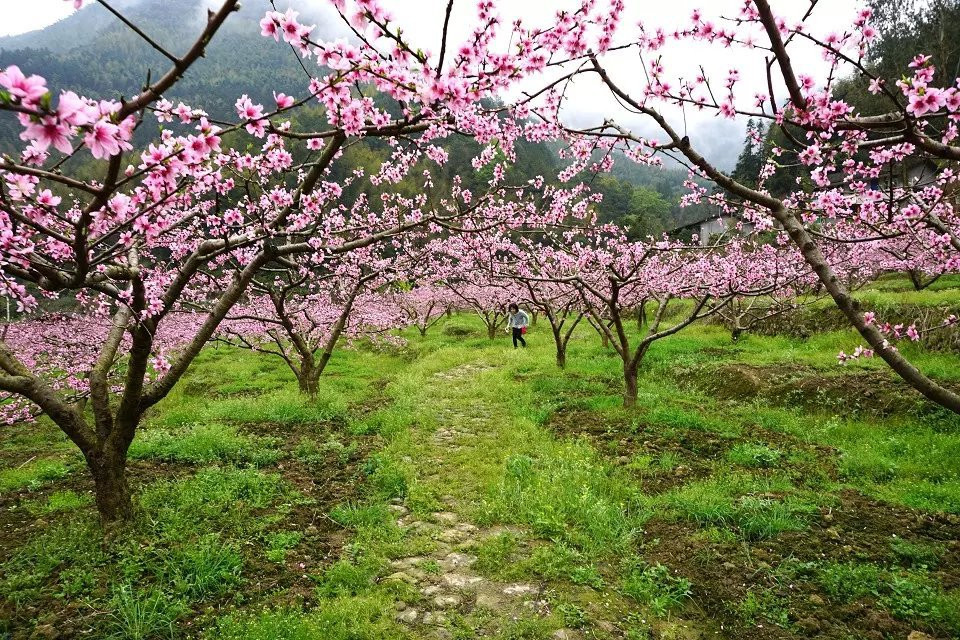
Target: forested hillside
90,52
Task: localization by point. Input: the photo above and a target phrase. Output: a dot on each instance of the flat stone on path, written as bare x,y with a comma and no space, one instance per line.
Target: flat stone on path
408,616
461,580
520,589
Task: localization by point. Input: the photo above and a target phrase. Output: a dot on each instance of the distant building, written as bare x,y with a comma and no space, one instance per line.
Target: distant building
710,226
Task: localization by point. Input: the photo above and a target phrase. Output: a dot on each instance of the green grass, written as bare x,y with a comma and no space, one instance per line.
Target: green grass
32,475
205,443
582,483
909,595
341,618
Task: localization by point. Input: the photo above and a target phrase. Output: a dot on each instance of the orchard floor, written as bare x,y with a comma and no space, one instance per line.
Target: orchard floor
456,488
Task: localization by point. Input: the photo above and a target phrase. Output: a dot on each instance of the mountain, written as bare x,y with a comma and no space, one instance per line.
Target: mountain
90,52
94,54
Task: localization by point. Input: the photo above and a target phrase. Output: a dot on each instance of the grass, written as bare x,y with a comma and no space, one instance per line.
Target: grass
624,517
205,443
32,475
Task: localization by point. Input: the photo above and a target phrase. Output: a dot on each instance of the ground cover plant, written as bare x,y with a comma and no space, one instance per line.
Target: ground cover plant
692,513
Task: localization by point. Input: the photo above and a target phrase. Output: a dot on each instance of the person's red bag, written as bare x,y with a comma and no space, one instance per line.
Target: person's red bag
523,330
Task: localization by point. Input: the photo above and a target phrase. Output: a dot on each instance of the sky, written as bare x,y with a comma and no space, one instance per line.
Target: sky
20,16
589,103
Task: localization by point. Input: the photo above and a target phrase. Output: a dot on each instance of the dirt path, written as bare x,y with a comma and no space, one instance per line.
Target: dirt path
445,576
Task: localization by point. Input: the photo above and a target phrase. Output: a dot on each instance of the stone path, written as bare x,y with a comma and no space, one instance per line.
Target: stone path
445,576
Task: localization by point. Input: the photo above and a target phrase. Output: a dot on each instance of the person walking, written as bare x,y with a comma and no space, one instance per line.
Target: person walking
517,322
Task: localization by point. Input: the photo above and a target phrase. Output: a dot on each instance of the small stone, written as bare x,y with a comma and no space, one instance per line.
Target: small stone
447,601
729,566
461,581
401,576
565,634
452,535
398,509
919,635
431,589
312,530
406,563
832,533
409,616
434,618
456,560
815,600
519,589
446,517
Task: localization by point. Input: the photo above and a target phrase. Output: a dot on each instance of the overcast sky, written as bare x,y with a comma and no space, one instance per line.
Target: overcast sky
421,21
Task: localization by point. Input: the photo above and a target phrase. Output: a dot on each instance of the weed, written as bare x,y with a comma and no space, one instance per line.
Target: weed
340,618
918,554
137,615
764,604
657,588
279,544
749,454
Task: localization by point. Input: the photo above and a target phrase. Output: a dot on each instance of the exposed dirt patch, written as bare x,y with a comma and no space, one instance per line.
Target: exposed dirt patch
782,569
867,392
859,529
328,479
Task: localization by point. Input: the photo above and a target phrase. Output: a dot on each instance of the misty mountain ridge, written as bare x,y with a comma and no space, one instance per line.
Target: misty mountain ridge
90,52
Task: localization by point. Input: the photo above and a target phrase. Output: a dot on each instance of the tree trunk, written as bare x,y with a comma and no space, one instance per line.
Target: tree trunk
561,357
533,318
630,386
308,378
604,340
423,331
491,331
111,489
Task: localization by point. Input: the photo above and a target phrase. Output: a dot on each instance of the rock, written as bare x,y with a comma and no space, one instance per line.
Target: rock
815,600
408,616
832,533
919,635
456,560
442,634
446,517
430,590
447,601
461,580
729,566
398,509
406,563
565,634
401,576
312,530
452,535
431,618
519,589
